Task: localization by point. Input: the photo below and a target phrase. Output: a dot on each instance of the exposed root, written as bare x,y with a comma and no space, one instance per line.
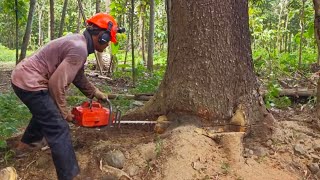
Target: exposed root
151,110
263,126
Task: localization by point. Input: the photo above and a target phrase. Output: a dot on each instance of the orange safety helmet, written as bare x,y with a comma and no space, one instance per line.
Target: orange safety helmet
102,21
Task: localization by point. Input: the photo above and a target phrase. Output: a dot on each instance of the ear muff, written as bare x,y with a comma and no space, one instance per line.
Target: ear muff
105,36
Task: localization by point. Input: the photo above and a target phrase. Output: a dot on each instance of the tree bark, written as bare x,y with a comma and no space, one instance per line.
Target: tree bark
65,4
27,33
51,19
318,97
209,74
316,4
151,37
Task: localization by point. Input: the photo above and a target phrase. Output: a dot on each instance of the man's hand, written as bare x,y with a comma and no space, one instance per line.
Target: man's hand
69,117
100,95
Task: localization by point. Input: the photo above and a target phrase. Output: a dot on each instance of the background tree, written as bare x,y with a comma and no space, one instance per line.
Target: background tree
151,37
17,30
302,31
40,9
108,2
141,14
134,76
27,34
99,55
51,19
65,4
98,2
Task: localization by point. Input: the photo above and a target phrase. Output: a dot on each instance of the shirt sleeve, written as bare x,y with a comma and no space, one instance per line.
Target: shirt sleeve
83,84
61,79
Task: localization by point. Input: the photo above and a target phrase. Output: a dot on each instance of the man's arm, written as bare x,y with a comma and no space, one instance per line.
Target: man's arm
61,79
83,84
87,88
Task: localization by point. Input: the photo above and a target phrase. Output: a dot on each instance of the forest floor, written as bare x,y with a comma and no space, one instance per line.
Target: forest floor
181,152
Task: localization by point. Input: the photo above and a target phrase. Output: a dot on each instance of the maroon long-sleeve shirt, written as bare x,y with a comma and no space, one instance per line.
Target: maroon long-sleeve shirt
54,67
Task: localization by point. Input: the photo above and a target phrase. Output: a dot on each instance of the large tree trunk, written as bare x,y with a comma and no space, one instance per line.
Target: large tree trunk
65,4
27,33
316,4
51,19
210,71
151,37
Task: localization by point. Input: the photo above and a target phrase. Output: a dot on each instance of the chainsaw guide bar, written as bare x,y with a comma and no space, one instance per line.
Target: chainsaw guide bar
137,122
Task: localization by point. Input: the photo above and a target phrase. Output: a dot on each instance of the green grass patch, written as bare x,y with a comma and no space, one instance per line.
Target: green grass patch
9,54
13,115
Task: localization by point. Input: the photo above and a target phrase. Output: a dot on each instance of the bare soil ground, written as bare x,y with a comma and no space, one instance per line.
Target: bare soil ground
181,153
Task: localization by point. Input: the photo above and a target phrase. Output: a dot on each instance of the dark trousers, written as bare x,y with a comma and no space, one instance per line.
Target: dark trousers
48,122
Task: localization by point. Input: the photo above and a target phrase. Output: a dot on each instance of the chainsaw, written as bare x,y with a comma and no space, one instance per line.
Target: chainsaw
93,114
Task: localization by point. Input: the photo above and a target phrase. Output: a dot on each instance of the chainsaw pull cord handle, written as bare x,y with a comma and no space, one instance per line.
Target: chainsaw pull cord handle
90,104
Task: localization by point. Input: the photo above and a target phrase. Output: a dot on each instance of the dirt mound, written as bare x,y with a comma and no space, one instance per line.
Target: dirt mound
190,155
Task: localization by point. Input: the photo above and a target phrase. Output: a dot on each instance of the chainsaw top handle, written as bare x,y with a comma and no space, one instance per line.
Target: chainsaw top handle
92,104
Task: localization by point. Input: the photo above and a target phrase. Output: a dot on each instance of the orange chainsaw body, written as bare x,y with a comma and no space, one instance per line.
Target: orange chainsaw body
91,115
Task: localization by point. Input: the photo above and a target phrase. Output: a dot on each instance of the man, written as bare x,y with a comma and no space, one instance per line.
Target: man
41,80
